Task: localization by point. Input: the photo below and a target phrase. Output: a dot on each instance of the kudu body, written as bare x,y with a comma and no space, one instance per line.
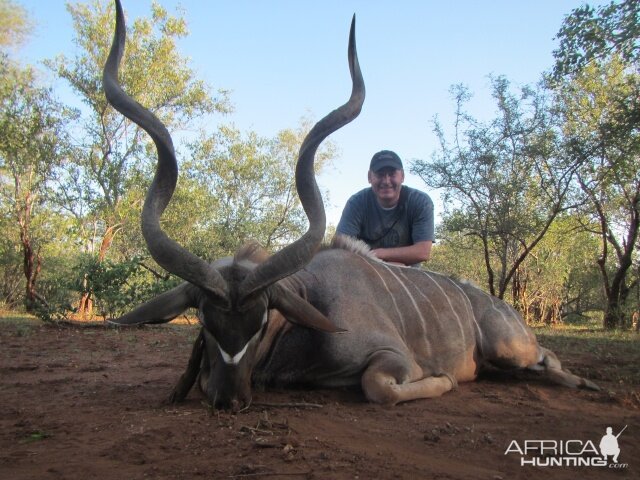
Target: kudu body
410,333
232,296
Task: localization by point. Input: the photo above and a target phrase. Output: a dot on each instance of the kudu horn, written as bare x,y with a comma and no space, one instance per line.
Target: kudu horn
295,256
169,255
176,259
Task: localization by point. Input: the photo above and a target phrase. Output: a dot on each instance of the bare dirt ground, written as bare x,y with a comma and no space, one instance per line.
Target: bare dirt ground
87,403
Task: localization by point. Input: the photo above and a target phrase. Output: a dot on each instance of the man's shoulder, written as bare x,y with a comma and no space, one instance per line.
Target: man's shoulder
360,196
416,196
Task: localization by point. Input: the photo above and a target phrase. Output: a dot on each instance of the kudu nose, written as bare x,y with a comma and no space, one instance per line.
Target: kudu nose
234,405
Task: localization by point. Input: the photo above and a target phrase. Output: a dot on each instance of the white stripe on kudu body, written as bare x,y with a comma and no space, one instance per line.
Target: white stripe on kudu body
428,300
511,323
423,322
453,309
395,304
501,313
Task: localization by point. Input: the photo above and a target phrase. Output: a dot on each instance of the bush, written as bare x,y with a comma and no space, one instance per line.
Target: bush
113,287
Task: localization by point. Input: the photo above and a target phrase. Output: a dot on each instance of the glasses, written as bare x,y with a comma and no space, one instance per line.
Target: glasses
386,172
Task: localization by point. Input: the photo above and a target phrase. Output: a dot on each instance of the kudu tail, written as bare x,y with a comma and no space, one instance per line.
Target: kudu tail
551,368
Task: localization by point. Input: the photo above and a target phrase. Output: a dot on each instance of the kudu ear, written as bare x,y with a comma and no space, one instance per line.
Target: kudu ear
299,311
163,308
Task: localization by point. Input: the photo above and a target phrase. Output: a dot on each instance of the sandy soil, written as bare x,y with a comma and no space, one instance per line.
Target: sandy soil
87,403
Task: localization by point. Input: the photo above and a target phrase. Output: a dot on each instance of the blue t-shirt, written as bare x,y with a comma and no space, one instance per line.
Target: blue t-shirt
409,222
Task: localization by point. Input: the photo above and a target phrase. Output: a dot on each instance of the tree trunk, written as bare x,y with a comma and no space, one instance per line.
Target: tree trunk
519,295
32,264
31,260
85,308
616,291
613,316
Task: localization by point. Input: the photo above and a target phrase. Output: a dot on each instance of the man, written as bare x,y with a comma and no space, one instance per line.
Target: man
396,221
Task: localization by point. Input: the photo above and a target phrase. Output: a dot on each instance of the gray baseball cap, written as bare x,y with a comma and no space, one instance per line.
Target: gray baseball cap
385,158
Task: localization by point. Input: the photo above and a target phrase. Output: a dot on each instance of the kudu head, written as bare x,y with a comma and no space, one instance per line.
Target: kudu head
232,295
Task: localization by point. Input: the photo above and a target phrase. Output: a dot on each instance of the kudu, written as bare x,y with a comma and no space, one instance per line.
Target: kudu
232,295
406,333
410,333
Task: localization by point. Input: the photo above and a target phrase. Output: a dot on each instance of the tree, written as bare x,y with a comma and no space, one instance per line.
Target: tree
504,180
32,147
247,189
597,79
603,137
560,279
588,35
112,149
15,24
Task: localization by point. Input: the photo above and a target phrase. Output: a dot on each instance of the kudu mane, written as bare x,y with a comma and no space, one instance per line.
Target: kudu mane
255,253
251,251
350,244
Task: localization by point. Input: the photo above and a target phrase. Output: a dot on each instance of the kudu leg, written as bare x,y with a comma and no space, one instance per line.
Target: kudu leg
389,381
188,378
551,368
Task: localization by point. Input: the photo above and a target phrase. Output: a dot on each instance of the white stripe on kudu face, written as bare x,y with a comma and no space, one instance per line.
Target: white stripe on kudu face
235,359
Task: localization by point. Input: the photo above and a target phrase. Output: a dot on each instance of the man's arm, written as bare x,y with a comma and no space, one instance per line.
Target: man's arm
409,255
351,219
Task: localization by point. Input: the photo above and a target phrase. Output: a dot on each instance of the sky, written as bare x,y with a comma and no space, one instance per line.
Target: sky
283,60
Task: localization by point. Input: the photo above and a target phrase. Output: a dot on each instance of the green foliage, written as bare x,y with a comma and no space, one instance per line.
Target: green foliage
11,274
559,279
113,158
589,36
597,81
548,193
507,180
115,287
55,286
118,286
15,24
504,181
112,149
33,146
241,187
233,187
460,256
601,110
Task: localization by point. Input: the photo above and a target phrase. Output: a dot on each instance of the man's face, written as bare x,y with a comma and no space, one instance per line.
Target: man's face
386,184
